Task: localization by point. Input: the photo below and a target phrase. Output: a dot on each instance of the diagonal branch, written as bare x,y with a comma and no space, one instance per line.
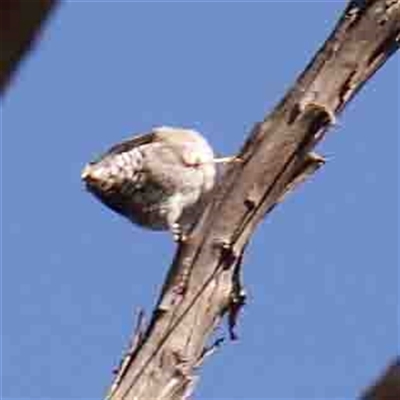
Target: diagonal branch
276,158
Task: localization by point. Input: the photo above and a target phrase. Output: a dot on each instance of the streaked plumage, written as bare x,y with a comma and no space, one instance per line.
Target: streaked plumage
157,180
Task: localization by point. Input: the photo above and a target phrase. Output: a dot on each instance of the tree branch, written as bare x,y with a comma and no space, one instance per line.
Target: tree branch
20,22
276,158
387,386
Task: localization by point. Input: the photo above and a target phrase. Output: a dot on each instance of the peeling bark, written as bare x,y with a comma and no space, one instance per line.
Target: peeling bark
276,158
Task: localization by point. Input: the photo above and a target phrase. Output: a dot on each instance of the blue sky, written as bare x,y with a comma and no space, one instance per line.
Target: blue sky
322,273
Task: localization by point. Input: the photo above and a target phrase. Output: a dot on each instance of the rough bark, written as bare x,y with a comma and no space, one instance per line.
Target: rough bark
163,358
19,24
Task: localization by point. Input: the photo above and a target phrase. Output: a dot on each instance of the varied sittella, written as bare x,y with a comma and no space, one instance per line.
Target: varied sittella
159,180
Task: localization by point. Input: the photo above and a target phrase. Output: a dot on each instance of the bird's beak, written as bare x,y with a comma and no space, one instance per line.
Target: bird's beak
86,172
92,172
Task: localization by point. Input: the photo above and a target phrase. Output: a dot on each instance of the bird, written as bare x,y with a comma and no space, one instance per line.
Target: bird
159,180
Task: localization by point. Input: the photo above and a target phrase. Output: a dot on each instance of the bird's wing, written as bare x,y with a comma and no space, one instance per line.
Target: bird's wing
131,143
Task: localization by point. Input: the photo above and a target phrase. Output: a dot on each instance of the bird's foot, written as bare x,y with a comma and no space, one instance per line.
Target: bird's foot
177,233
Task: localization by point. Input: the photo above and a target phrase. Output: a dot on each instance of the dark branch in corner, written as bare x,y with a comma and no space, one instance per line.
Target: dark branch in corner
387,387
20,22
